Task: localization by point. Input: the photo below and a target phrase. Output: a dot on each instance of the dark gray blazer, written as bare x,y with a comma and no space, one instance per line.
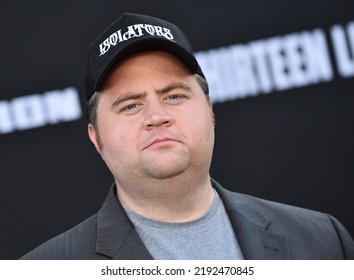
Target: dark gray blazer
264,229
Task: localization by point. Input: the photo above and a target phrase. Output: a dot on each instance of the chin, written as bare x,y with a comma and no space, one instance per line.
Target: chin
164,174
166,165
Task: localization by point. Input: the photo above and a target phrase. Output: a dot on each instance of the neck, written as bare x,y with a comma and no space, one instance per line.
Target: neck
170,200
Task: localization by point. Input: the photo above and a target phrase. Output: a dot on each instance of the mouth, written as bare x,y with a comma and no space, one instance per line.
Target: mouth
161,142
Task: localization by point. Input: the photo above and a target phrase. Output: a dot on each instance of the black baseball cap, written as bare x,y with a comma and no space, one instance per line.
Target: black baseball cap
129,34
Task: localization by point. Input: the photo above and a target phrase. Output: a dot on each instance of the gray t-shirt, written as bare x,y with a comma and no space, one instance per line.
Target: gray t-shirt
208,237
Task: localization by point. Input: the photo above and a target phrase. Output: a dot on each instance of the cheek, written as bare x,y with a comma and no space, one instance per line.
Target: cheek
119,151
119,137
201,124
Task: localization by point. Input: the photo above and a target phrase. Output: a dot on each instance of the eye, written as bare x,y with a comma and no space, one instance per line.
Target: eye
131,107
174,97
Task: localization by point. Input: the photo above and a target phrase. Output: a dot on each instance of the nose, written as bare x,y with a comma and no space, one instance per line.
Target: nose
156,115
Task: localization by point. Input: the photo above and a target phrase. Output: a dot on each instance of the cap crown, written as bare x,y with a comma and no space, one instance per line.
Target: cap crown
129,34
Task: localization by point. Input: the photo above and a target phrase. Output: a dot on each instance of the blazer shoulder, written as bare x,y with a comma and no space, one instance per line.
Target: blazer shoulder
77,243
303,228
247,204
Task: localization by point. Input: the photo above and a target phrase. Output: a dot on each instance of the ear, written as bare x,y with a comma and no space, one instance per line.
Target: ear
94,137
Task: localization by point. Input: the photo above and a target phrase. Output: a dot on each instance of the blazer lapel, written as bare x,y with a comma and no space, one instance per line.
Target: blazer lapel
133,249
252,228
256,242
116,236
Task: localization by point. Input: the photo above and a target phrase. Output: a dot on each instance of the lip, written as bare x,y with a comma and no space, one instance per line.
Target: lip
159,142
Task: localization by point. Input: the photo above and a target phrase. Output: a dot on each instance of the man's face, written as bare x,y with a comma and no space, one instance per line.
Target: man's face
153,120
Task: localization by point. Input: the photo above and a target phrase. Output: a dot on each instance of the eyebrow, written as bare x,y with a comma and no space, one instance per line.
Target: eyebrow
173,86
127,96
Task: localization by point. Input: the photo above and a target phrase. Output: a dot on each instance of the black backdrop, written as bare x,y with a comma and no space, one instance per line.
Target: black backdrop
293,146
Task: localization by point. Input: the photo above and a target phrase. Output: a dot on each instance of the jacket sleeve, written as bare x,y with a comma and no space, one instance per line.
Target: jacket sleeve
345,239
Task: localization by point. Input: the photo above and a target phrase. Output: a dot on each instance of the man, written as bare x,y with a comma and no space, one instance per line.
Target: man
151,120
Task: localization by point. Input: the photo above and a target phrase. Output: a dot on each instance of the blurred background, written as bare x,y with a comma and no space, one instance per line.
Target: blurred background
282,80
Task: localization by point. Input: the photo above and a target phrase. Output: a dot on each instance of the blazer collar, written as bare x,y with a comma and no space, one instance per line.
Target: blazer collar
116,236
253,229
